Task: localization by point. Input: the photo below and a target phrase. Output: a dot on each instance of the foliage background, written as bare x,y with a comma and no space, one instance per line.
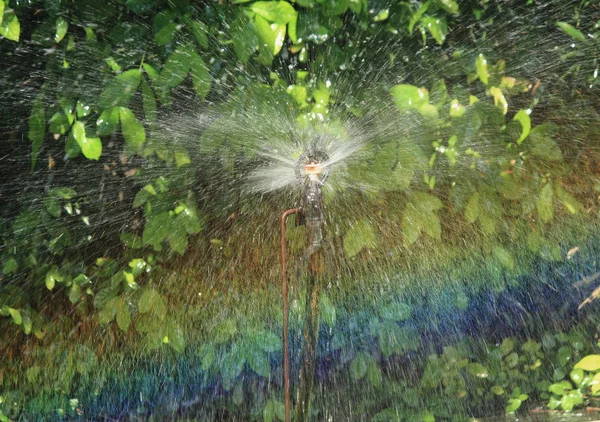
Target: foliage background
129,130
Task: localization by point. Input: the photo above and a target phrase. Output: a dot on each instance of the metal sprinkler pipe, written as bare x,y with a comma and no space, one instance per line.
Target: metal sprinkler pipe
313,174
284,291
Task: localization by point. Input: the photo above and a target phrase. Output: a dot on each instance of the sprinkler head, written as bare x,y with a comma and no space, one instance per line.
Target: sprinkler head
311,165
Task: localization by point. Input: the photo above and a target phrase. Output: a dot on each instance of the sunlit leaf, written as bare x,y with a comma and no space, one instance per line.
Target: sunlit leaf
133,130
523,117
416,17
481,67
437,27
571,31
108,122
90,147
409,96
10,28
61,29
449,6
589,363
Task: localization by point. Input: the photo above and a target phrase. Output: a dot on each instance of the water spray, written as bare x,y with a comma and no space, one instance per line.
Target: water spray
312,171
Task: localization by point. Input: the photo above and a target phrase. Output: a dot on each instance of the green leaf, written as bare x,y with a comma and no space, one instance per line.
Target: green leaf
513,405
545,203
199,30
269,411
259,363
108,312
271,35
52,206
523,117
123,315
409,96
133,130
53,276
143,195
119,91
108,122
504,257
449,6
595,383
176,68
437,27
37,129
148,103
158,227
416,17
61,29
327,310
244,37
16,316
10,27
397,311
589,363
90,147
200,76
59,124
10,266
374,374
564,356
176,337
359,365
571,31
481,67
361,235
1,11
577,376
280,12
477,370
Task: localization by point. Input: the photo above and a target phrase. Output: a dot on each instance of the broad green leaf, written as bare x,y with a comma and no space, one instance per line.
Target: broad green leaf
374,374
231,367
199,30
123,315
176,68
244,37
142,196
279,12
59,124
10,266
437,27
595,383
571,31
570,203
201,79
577,376
359,365
37,129
108,312
271,35
327,310
52,277
416,17
10,28
178,239
504,257
61,29
361,235
119,91
158,227
523,117
409,96
545,203
513,405
477,369
90,147
450,6
481,67
16,316
176,337
589,363
52,206
259,363
133,130
1,10
108,122
269,411
148,103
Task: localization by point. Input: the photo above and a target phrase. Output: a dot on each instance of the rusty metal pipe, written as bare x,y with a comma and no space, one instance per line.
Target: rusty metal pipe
284,292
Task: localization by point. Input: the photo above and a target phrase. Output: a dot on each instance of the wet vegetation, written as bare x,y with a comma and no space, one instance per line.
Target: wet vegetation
149,147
